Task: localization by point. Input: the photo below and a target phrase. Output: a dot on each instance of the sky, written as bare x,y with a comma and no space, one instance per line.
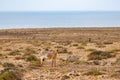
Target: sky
59,5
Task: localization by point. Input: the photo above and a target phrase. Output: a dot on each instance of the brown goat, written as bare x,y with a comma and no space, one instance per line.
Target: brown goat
49,55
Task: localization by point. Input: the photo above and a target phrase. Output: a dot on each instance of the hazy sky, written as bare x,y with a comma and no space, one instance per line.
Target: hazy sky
59,5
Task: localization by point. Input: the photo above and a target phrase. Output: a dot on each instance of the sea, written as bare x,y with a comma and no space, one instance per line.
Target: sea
59,19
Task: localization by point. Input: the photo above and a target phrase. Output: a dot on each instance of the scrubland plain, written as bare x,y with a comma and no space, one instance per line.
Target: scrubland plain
83,54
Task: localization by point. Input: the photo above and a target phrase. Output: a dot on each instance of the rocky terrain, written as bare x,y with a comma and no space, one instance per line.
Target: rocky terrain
83,54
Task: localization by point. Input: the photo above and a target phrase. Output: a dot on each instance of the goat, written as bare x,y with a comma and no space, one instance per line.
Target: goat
49,55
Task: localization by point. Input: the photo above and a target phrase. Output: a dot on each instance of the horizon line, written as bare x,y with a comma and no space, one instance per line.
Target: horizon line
67,11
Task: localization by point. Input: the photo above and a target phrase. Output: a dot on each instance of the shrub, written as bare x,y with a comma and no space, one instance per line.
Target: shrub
62,50
98,55
80,62
7,74
91,49
96,62
116,75
75,44
70,53
35,64
14,52
108,42
8,65
36,43
80,47
31,58
8,49
93,72
113,50
63,71
29,51
101,46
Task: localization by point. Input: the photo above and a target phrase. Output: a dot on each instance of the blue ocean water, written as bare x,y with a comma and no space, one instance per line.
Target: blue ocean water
58,19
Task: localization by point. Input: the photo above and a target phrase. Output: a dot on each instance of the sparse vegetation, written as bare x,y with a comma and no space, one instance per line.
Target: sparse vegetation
98,55
80,47
108,42
91,49
63,71
31,58
80,62
8,65
14,52
62,50
35,64
80,51
75,44
93,72
8,74
113,50
29,51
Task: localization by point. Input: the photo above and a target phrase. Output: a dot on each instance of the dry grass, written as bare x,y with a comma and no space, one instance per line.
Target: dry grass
92,47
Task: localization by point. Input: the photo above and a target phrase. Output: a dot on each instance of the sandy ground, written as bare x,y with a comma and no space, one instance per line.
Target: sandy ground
79,42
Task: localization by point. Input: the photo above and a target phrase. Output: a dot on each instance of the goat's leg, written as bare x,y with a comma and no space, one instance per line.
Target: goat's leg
55,62
52,62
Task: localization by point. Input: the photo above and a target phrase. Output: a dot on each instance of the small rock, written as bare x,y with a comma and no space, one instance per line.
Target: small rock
72,59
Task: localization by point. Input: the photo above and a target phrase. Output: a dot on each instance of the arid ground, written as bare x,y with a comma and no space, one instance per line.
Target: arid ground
83,54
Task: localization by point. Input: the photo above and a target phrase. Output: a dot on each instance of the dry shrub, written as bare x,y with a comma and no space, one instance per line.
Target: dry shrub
36,43
8,65
80,47
98,55
93,72
113,50
75,44
107,42
29,51
62,50
35,64
91,49
115,75
7,49
31,58
34,61
9,74
14,52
